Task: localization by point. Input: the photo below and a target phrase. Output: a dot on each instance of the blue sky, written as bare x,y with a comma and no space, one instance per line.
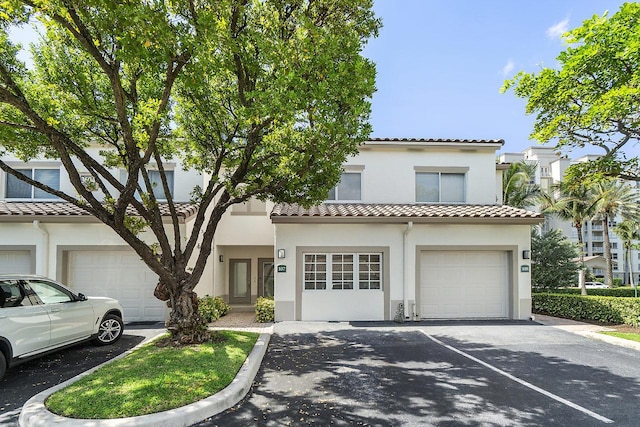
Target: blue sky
441,64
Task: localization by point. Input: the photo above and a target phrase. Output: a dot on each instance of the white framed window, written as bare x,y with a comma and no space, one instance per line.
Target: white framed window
155,180
156,183
17,189
315,271
342,271
348,189
440,187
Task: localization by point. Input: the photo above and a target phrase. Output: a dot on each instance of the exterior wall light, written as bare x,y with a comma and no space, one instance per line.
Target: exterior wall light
221,258
526,254
281,253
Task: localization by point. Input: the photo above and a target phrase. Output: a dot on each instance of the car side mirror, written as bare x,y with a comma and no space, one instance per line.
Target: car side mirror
82,297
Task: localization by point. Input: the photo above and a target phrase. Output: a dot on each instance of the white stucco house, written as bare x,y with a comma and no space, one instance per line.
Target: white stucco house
415,228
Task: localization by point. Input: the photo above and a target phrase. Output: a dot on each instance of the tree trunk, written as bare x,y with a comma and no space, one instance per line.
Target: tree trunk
185,324
608,279
627,253
581,281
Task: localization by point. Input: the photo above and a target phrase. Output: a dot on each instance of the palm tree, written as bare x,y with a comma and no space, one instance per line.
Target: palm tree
628,230
575,204
613,198
517,187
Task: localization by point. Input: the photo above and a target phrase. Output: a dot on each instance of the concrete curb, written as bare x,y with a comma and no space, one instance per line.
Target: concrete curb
634,345
586,330
34,413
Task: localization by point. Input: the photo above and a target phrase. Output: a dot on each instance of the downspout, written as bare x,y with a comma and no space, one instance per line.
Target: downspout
45,249
405,270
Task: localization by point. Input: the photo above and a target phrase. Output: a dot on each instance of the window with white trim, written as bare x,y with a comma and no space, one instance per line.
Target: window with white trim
156,183
348,189
440,187
155,180
343,271
315,271
17,189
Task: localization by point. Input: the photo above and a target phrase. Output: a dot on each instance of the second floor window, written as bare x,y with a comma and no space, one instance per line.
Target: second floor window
156,182
440,187
349,187
17,189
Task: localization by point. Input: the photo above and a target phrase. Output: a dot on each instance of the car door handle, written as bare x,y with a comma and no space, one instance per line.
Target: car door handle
55,310
3,316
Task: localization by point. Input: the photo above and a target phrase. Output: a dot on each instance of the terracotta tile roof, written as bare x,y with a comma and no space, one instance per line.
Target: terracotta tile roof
337,212
63,209
436,140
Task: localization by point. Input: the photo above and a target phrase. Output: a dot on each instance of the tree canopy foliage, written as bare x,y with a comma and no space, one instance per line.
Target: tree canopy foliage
593,98
267,97
518,190
553,262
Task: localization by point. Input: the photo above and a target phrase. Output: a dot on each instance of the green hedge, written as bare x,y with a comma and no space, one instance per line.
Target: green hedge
626,292
212,308
597,308
265,311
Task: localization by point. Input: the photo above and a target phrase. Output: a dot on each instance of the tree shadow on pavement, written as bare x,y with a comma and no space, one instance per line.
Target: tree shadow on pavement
378,377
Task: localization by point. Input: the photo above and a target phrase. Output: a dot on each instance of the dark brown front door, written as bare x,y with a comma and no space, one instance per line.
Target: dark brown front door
240,281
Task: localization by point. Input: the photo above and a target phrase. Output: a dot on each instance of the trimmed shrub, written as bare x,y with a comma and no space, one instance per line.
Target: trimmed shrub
265,310
617,282
594,308
212,308
626,292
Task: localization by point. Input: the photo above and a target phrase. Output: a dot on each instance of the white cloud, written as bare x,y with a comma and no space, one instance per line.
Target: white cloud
508,68
555,31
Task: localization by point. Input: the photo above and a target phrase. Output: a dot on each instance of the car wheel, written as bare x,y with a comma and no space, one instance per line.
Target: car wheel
110,330
3,365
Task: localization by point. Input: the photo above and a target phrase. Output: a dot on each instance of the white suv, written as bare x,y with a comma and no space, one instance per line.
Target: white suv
39,315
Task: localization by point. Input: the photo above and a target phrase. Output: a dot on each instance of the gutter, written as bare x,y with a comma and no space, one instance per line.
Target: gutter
45,256
405,270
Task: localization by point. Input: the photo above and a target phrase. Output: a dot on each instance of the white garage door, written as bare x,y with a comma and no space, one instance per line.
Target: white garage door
15,262
121,275
463,284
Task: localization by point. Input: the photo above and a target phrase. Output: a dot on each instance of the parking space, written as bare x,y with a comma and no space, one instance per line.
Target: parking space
25,380
478,373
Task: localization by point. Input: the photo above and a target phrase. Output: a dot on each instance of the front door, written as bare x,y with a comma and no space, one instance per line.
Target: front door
265,277
240,281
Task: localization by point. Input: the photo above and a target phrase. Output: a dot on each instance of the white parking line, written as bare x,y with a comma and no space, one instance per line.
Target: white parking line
523,382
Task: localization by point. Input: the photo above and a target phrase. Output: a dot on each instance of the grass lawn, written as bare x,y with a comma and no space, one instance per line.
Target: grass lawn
626,335
154,379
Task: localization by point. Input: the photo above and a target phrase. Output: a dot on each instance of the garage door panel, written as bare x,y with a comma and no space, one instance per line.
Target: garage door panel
121,275
15,261
463,284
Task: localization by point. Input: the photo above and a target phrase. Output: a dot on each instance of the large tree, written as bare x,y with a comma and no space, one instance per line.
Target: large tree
267,97
518,188
593,98
613,199
576,204
628,231
552,260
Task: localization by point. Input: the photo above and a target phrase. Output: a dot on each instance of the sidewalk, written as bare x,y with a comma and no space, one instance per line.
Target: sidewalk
586,330
242,321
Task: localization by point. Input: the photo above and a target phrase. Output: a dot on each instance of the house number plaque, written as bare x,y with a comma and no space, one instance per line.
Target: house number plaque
282,269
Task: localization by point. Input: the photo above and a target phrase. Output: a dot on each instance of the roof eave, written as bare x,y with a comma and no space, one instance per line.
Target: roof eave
404,220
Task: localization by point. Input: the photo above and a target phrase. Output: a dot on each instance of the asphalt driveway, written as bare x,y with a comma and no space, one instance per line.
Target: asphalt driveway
477,373
26,380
